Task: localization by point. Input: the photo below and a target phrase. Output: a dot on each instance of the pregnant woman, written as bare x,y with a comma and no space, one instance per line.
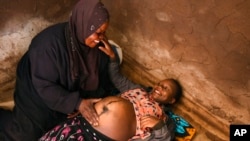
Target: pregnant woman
117,122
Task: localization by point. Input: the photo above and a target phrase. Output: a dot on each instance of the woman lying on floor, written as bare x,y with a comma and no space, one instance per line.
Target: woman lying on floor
116,122
135,115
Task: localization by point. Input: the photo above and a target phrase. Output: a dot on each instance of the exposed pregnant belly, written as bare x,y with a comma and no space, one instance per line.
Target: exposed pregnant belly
116,118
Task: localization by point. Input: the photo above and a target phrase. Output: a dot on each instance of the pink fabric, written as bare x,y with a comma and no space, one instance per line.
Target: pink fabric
143,106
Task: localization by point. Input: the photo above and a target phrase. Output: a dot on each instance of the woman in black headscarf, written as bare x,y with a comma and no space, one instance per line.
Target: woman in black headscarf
64,70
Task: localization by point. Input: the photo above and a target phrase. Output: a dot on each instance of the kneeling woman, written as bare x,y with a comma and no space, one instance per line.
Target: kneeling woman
117,122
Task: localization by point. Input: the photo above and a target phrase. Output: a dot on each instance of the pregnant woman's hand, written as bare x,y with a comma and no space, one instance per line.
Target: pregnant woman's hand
148,122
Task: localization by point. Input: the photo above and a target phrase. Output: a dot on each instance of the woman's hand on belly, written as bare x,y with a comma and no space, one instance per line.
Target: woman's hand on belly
116,118
88,111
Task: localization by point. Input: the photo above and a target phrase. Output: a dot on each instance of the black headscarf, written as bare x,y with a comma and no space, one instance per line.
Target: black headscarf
87,16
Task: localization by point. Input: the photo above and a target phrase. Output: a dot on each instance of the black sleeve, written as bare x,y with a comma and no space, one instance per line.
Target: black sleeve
45,75
121,82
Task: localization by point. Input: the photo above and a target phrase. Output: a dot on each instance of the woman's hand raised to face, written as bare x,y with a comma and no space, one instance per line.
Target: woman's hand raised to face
107,49
87,110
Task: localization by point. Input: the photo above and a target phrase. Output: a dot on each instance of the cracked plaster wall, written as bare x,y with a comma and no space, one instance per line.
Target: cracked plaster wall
20,21
204,44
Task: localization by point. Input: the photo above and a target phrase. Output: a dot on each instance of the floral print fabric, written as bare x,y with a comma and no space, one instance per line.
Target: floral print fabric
76,129
143,106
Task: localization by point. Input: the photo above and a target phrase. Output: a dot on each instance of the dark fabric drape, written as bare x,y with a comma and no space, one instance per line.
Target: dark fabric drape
84,61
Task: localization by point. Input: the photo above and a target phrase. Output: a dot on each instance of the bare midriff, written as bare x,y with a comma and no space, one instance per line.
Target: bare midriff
116,118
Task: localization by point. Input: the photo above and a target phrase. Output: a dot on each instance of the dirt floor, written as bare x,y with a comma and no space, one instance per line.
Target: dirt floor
202,134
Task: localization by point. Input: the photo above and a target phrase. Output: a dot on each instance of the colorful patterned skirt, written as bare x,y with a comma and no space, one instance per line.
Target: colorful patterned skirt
75,129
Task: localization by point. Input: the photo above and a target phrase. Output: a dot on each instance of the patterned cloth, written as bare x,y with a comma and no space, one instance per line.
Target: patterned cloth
143,105
76,129
184,131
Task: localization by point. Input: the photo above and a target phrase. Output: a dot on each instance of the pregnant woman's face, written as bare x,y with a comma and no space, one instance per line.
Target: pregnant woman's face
116,118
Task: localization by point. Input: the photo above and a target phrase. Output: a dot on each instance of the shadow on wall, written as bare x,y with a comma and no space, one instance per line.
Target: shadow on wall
20,21
208,43
20,11
12,47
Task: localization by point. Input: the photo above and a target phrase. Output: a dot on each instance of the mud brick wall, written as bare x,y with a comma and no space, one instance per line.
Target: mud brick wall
204,44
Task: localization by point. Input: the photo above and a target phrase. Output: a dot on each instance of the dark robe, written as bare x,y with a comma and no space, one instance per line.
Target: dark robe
45,92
